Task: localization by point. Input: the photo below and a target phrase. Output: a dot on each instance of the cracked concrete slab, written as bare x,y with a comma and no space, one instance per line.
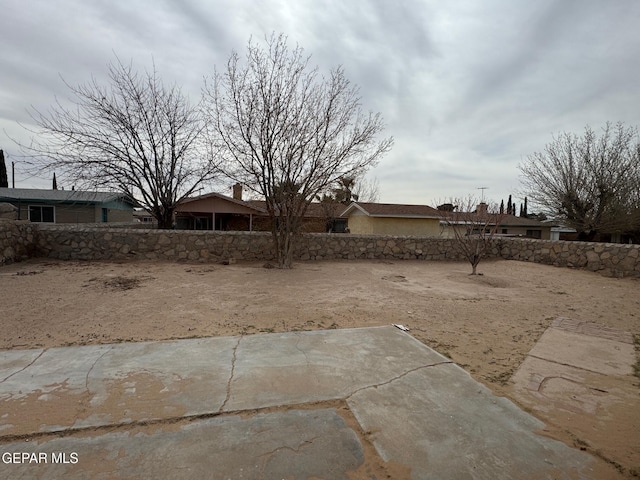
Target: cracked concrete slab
572,355
593,354
290,444
579,375
442,423
89,386
13,362
197,406
302,367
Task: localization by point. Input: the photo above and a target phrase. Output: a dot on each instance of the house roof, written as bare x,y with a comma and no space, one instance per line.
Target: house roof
245,203
315,209
505,221
60,196
512,220
397,210
393,210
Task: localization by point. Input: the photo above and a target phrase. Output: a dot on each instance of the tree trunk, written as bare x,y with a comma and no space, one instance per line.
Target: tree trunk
165,219
473,268
587,236
284,249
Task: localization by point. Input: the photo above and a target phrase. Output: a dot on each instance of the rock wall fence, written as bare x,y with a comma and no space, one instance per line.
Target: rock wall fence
609,259
20,240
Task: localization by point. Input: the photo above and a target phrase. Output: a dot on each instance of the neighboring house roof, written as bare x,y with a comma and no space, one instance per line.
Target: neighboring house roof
314,210
512,220
505,221
248,204
396,210
392,210
61,196
561,228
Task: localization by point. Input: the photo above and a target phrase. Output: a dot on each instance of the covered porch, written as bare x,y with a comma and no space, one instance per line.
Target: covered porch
216,212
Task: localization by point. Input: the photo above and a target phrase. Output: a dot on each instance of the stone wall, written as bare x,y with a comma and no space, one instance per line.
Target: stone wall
610,259
84,243
19,240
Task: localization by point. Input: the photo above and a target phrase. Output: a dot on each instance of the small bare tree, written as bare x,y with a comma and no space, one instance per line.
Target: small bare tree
289,134
473,226
134,135
367,190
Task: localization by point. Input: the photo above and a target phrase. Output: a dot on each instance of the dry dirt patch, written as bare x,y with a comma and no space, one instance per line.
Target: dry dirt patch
487,324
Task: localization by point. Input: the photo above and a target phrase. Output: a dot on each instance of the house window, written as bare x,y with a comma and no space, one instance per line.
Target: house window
105,215
504,230
41,213
534,233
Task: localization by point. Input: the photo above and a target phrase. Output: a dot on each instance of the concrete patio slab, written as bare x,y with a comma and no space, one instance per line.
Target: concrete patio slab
442,422
95,385
232,408
587,346
292,368
580,374
573,356
290,444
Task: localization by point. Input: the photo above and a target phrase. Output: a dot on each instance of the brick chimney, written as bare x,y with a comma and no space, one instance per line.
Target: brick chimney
482,209
237,191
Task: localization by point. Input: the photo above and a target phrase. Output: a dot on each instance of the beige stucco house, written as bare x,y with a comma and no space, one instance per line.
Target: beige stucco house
425,221
392,219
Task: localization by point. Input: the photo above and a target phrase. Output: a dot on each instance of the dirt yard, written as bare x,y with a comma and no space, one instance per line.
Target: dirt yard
487,324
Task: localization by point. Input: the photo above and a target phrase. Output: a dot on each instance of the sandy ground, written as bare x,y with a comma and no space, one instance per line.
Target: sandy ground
487,324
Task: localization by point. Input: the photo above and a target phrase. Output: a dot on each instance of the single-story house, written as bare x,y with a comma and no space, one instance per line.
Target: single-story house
141,215
392,219
562,232
509,225
68,206
524,227
423,220
214,211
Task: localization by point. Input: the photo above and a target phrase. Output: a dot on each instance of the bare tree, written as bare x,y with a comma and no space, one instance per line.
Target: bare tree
356,189
473,226
134,135
366,189
344,191
589,182
289,133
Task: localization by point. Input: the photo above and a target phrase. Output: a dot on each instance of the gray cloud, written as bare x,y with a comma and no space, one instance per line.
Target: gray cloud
467,88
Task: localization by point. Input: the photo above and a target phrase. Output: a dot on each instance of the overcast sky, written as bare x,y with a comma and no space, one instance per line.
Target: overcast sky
467,88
